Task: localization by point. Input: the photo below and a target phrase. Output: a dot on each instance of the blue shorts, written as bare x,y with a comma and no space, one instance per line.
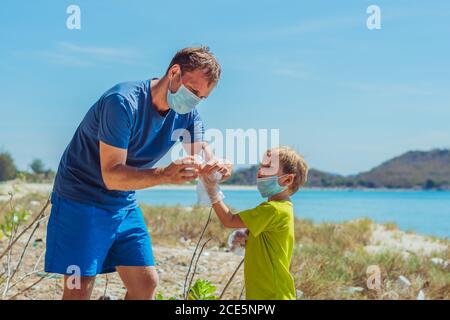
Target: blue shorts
93,239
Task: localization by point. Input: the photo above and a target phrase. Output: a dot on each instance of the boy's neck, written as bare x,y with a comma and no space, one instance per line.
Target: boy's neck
280,196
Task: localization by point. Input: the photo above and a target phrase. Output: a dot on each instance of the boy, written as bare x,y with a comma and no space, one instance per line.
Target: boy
271,224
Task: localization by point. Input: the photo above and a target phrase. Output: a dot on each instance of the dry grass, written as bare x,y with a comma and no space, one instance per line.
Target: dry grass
329,259
170,225
22,233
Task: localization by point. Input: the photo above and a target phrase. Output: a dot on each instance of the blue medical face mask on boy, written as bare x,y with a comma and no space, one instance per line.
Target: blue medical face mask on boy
269,186
183,101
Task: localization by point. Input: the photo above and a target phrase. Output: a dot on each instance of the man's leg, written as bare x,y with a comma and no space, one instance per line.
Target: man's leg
82,293
141,282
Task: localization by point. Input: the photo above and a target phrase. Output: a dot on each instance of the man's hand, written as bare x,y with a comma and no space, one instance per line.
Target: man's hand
183,170
223,166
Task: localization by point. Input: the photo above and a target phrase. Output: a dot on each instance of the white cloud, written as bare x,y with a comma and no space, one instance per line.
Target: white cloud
98,52
291,70
61,58
68,53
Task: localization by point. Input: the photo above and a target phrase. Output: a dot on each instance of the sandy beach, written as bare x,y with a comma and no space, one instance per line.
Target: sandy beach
175,232
19,188
172,262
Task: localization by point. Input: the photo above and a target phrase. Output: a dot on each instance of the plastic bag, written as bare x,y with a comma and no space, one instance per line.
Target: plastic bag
237,240
202,194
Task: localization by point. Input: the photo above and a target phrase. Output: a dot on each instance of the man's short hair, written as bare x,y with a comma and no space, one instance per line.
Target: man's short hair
198,58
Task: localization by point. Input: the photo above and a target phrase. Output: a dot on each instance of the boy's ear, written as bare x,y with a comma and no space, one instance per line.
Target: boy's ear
288,180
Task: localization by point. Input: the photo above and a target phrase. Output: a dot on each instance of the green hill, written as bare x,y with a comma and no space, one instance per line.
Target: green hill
412,170
245,176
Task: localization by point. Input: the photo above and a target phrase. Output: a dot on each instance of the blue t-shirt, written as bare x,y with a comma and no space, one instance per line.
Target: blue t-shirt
123,117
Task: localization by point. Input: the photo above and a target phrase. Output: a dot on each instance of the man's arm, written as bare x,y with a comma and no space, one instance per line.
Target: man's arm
225,216
119,176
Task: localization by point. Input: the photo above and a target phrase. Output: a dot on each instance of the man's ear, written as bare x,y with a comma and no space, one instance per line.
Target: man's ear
173,71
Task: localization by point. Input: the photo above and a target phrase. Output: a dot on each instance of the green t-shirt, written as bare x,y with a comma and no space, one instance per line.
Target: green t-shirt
268,251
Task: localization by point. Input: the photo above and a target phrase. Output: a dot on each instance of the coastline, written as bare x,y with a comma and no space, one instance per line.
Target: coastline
20,188
192,187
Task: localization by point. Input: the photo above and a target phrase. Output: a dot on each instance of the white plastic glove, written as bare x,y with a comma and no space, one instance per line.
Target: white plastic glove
208,189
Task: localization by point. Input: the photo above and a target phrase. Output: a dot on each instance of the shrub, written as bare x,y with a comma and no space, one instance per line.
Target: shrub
7,167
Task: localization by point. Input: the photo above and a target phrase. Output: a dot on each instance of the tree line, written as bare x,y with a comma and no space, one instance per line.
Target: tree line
37,173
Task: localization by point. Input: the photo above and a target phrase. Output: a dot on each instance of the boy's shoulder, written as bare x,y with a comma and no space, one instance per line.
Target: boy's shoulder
279,205
270,208
268,216
276,208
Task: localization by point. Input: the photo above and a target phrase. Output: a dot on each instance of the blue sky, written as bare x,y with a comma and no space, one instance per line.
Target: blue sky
348,98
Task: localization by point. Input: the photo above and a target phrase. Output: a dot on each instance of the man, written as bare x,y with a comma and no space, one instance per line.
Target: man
95,224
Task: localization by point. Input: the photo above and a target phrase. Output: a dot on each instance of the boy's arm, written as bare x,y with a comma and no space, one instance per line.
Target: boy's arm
257,220
225,216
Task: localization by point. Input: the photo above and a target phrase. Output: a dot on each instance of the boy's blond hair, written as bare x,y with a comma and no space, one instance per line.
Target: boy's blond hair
293,163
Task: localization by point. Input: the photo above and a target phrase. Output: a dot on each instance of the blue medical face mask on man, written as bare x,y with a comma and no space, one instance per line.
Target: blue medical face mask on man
183,101
269,186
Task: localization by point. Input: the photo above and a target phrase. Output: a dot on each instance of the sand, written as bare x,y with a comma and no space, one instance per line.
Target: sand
383,239
20,188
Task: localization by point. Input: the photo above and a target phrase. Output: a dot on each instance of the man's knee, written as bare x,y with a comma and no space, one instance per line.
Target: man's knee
150,281
153,279
78,289
146,286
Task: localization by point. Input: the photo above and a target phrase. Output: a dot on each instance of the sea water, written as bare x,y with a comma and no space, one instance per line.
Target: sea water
424,212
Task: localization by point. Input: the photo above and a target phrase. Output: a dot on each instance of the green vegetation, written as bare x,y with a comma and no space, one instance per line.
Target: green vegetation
37,166
412,170
329,259
39,173
202,290
332,260
11,220
168,225
8,169
243,176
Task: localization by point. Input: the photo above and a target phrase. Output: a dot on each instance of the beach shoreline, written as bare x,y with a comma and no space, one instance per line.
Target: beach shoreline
20,188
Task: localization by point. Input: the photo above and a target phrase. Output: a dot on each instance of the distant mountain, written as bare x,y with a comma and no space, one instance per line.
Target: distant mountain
317,178
412,170
246,176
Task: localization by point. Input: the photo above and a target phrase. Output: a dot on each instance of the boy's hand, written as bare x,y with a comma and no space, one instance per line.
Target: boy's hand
223,166
211,188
